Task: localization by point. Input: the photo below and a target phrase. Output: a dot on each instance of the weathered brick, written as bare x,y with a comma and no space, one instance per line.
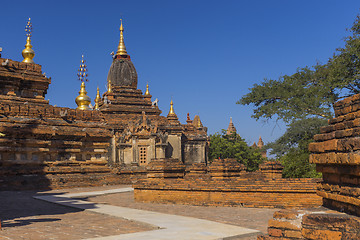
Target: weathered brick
263,237
293,234
321,234
340,222
326,146
282,224
273,232
287,214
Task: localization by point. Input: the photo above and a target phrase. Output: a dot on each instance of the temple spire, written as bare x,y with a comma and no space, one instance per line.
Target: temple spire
231,128
28,53
97,99
147,90
172,116
197,122
121,50
83,100
171,112
260,143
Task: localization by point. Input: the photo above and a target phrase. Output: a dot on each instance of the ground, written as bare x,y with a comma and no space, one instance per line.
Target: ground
26,218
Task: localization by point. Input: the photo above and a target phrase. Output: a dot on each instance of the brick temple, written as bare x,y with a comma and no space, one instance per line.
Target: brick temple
47,146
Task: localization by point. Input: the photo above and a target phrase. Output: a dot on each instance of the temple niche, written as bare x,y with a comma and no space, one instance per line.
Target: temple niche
124,130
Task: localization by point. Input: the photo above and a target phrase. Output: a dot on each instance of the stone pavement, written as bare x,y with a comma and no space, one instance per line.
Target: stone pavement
24,217
254,218
169,225
41,220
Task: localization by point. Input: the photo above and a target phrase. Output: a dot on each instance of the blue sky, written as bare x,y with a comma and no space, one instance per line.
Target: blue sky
203,54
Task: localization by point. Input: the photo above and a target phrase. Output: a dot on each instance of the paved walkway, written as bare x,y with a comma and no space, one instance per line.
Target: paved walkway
253,218
170,226
26,218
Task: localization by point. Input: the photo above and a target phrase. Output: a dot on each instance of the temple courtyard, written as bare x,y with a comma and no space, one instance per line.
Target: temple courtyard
111,213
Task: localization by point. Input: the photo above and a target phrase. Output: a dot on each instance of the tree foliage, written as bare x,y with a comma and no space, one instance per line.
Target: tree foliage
304,100
292,147
294,97
298,134
233,146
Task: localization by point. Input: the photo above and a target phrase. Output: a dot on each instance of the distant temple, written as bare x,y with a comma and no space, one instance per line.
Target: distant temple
231,129
123,130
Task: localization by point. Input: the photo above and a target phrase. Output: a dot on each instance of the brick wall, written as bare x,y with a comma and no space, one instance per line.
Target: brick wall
52,147
47,111
336,152
225,182
310,224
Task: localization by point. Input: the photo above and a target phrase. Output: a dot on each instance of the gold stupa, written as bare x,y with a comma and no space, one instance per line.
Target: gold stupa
147,90
171,112
83,101
28,53
97,99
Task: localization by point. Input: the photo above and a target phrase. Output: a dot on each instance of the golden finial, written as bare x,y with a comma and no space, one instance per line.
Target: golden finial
171,112
121,48
147,90
82,72
28,53
83,100
97,99
197,122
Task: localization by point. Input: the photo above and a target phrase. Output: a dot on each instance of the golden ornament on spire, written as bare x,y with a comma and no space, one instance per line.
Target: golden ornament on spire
97,99
83,100
171,112
147,90
82,72
197,122
28,53
121,48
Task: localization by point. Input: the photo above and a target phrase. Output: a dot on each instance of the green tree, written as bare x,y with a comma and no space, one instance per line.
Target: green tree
292,148
294,97
233,146
303,100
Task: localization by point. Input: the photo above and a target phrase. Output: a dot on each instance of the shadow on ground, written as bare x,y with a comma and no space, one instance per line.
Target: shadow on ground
16,205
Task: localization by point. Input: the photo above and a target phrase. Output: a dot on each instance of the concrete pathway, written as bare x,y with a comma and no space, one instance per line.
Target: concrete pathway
170,226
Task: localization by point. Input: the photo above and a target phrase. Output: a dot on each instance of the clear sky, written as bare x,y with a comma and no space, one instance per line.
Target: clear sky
204,54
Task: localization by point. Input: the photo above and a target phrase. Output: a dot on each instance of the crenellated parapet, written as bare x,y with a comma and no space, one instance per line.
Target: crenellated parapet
271,169
223,182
